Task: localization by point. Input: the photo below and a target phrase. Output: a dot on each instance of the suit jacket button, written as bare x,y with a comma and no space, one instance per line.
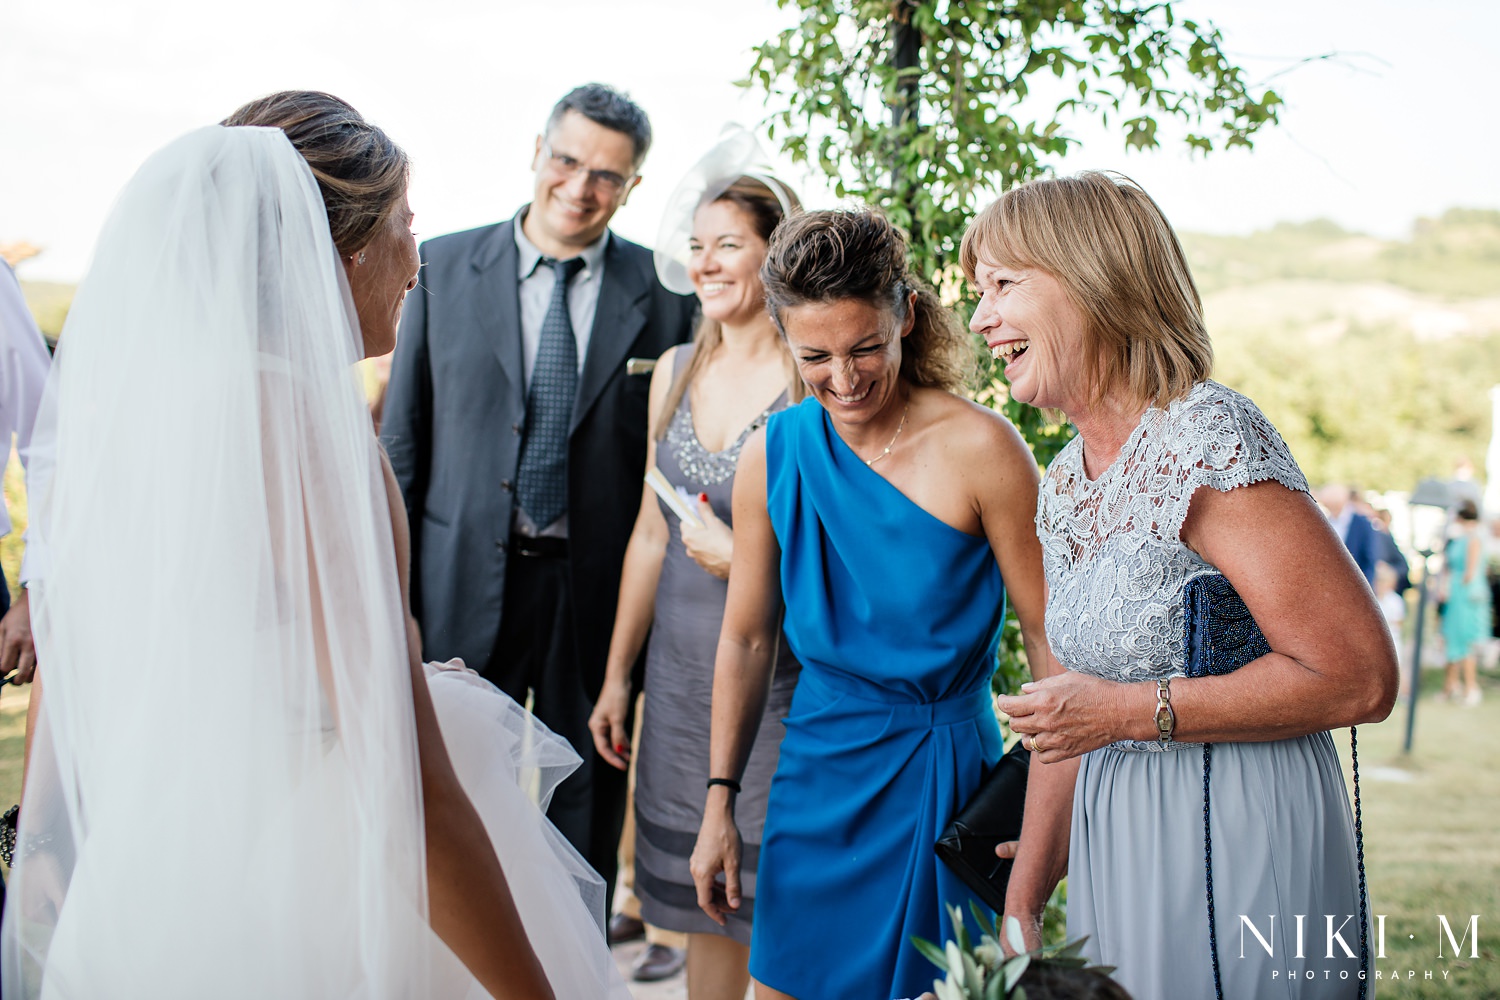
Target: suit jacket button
500,544
507,486
515,428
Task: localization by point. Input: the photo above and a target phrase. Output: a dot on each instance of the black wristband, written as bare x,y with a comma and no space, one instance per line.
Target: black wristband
729,783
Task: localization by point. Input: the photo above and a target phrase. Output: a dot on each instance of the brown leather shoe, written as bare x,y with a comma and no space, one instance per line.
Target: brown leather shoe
658,962
623,928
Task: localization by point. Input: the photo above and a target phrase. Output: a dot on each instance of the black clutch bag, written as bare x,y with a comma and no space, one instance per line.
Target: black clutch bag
992,816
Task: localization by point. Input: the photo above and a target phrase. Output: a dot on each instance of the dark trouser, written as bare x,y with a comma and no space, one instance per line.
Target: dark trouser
535,654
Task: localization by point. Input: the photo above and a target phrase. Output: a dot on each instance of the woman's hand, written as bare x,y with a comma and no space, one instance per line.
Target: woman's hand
1069,714
718,850
712,545
607,723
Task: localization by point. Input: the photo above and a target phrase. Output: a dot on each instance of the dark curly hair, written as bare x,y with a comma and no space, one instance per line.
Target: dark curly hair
827,256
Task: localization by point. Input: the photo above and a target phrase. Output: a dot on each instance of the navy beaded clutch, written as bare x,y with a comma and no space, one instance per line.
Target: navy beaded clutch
1220,637
1221,634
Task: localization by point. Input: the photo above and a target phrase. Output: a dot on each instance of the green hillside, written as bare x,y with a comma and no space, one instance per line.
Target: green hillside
1454,257
1373,357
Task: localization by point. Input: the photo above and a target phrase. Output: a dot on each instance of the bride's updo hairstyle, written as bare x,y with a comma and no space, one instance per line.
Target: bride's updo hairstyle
827,256
361,173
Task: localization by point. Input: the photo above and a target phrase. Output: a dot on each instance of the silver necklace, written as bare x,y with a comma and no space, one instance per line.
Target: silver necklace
899,428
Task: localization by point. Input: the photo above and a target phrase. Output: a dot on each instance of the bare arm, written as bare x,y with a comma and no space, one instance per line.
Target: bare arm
1297,579
470,903
1471,560
637,604
1007,496
743,668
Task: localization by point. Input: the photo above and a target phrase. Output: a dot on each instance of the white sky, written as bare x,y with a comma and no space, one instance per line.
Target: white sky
1405,125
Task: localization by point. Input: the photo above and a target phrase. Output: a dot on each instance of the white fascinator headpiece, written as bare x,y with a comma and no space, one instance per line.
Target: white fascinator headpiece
736,154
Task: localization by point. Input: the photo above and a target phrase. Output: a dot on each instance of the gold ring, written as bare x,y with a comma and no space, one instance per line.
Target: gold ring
1033,744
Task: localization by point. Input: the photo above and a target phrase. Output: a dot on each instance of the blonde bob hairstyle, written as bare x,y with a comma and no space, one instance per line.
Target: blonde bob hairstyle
1109,246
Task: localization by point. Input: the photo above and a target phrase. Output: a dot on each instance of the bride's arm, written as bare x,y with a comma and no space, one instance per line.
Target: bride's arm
470,901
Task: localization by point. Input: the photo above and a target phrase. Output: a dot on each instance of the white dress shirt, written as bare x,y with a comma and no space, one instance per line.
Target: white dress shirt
23,372
535,286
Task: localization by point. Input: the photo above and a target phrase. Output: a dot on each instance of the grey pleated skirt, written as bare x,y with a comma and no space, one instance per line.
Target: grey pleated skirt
1283,847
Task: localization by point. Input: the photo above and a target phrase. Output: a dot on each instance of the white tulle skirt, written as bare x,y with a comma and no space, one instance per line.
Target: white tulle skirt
134,925
509,763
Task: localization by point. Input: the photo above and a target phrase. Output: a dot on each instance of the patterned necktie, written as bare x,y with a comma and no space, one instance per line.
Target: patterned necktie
542,481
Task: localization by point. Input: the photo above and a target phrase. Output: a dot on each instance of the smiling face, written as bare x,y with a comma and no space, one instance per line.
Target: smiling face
379,285
584,173
1031,325
849,354
725,254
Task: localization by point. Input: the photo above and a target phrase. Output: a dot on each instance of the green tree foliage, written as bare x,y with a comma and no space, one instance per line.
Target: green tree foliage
929,108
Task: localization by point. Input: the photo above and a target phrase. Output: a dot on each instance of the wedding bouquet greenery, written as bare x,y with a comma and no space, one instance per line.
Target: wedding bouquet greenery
982,971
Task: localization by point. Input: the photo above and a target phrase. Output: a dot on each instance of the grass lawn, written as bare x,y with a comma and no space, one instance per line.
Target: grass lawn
1431,847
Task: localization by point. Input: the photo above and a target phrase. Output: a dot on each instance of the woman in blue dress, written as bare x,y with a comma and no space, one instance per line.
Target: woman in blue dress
1466,615
889,518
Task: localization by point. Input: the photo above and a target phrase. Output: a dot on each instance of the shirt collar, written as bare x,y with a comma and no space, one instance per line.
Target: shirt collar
528,256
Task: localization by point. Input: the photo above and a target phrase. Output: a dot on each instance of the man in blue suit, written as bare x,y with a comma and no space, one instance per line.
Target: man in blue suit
1359,535
517,432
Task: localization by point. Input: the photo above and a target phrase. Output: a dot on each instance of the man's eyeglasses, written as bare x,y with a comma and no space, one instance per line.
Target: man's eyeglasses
564,166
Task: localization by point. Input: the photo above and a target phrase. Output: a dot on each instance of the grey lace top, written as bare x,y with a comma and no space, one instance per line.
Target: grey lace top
1115,564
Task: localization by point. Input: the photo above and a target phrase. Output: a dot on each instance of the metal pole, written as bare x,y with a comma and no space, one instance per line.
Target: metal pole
1416,653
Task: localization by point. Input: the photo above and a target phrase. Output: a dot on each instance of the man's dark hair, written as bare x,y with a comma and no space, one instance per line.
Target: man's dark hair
604,105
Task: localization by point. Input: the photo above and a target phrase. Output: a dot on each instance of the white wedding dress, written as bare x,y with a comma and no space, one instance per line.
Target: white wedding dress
224,795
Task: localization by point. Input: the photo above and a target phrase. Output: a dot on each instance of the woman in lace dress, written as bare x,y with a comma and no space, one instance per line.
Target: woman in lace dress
1089,301
706,399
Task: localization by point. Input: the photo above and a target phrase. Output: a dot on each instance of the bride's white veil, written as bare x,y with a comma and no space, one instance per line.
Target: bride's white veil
224,786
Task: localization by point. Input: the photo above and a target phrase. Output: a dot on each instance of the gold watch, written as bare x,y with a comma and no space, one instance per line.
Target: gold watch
1166,719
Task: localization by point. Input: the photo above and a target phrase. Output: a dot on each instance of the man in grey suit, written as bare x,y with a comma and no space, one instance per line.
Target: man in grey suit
517,433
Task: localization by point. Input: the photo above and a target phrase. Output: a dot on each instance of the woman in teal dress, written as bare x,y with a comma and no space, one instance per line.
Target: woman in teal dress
1466,613
889,519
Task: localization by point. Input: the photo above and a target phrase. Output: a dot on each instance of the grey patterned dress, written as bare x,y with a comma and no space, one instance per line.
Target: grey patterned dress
1282,833
672,762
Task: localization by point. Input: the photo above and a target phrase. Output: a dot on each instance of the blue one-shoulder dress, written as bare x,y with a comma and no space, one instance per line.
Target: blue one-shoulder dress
895,617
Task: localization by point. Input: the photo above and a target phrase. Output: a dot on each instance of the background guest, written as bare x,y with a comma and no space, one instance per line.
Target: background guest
1393,608
1356,531
1466,613
24,362
23,372
706,400
518,436
1390,552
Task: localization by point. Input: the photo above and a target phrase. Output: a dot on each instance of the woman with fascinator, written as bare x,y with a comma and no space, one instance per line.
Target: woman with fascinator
244,783
706,399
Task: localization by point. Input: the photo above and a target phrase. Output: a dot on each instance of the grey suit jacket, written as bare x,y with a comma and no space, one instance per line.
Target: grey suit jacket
453,420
